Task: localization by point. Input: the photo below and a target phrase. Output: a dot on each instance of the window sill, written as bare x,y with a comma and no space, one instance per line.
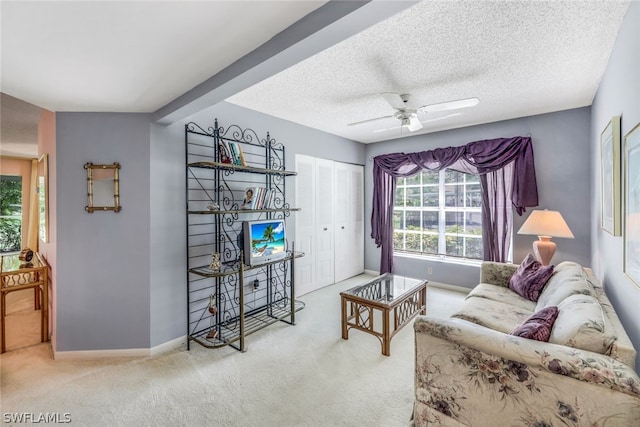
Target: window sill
435,258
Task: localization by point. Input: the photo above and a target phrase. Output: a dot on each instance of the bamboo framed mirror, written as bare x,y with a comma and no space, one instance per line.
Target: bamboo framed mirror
103,187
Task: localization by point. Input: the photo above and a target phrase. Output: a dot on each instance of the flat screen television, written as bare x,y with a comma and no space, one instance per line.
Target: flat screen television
264,241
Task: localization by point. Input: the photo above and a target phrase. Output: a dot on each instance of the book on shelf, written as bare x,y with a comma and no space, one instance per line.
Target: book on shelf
237,155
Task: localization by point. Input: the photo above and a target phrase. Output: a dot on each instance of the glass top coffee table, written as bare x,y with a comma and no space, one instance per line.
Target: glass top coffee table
394,296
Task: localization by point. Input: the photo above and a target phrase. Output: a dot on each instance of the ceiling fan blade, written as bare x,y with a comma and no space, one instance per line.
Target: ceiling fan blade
449,105
447,116
394,99
369,120
414,124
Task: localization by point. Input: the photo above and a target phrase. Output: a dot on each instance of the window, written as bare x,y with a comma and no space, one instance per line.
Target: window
10,213
439,213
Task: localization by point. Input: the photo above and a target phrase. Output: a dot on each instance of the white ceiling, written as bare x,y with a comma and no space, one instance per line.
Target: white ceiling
129,56
518,57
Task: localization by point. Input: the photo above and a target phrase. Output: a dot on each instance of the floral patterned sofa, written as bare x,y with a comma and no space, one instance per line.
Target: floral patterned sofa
469,370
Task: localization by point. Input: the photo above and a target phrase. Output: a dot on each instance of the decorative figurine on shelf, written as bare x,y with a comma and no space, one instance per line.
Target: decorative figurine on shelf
213,333
215,264
213,206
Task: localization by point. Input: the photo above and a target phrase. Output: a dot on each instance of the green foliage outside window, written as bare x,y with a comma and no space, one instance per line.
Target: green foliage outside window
10,213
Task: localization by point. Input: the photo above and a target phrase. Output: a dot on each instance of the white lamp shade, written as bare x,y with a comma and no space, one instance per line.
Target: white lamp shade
546,223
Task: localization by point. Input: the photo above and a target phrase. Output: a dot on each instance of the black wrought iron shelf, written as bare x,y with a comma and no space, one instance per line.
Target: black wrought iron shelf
255,321
234,268
239,168
217,314
239,211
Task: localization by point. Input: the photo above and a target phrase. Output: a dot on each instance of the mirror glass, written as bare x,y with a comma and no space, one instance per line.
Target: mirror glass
43,198
103,187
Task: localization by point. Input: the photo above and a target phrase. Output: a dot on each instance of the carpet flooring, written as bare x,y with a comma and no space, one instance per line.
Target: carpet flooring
302,375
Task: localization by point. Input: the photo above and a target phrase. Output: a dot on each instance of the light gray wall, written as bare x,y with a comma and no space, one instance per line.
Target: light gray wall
562,160
102,291
618,94
122,277
168,242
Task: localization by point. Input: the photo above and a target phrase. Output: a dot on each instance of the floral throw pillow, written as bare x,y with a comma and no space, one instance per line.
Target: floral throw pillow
538,326
530,278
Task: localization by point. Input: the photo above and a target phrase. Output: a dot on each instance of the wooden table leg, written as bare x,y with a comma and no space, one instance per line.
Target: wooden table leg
345,331
44,330
2,312
386,335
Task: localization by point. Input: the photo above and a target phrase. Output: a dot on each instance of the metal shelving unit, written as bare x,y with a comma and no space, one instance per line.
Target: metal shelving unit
215,190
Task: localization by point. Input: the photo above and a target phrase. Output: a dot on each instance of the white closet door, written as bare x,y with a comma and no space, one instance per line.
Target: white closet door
330,225
324,208
356,237
305,224
349,225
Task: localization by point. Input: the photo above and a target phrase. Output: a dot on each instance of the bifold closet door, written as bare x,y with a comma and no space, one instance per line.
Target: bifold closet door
330,225
305,224
325,207
349,221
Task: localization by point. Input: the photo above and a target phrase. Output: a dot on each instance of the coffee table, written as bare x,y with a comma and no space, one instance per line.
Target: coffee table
394,296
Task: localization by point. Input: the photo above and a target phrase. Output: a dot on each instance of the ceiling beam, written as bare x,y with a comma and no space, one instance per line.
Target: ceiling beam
332,23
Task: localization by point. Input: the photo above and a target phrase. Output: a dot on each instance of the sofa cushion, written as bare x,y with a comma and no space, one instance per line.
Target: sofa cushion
538,325
492,314
568,279
582,324
501,294
530,278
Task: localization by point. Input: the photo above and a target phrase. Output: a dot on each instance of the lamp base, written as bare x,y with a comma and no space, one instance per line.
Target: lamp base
544,249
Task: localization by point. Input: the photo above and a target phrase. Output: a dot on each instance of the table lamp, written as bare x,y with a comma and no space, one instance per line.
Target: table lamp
545,224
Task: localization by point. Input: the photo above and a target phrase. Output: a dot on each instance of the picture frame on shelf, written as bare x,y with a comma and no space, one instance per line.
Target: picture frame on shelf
610,212
632,205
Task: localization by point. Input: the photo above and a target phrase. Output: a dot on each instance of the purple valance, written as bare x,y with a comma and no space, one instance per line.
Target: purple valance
479,157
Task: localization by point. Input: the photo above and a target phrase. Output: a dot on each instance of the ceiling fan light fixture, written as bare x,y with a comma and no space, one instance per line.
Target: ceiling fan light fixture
414,124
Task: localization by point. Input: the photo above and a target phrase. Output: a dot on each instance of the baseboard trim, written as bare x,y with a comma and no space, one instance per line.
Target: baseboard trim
168,346
127,352
449,287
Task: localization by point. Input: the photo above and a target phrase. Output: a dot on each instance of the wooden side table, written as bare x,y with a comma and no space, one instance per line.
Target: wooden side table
16,275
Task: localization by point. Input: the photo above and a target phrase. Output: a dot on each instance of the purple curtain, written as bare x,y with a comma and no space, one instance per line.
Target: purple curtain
506,170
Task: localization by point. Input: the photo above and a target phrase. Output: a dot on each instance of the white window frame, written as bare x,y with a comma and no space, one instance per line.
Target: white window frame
442,210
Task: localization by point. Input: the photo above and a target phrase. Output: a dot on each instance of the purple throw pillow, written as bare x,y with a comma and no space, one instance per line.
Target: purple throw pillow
538,325
530,278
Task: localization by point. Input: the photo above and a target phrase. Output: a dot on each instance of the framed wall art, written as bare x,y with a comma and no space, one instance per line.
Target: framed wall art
610,177
632,204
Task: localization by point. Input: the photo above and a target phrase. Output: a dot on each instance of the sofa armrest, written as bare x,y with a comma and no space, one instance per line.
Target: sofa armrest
466,374
497,273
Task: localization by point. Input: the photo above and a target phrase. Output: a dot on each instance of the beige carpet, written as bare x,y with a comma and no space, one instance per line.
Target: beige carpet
302,375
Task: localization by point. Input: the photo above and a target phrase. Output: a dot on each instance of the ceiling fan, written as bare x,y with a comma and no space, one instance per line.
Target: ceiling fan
409,116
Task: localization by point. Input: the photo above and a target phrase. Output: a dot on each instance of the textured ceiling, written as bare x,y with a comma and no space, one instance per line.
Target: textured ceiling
519,58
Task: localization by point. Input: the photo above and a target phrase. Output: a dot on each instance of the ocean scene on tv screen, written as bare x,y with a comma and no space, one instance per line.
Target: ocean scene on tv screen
267,239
